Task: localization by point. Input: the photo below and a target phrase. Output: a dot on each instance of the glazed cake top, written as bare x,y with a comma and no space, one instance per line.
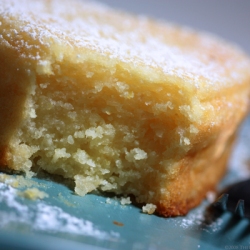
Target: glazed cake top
156,50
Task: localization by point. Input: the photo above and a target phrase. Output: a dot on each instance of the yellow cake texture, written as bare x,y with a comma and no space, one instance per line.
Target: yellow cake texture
116,102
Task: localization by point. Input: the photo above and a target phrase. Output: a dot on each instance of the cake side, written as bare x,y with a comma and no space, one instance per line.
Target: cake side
15,87
115,124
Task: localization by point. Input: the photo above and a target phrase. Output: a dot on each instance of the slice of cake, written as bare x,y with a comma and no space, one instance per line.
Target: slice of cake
116,102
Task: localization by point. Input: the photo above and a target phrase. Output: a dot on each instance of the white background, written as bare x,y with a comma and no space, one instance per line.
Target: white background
230,19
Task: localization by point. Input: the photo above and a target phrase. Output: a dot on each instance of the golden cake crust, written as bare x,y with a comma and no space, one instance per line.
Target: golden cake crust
119,103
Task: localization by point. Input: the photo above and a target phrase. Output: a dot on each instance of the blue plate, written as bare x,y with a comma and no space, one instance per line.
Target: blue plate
64,220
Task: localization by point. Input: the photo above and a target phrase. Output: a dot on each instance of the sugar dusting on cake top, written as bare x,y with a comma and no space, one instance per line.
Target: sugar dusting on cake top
165,49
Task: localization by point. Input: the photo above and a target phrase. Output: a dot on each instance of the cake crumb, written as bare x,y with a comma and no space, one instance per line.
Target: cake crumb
108,201
125,200
149,208
7,179
122,200
16,181
33,194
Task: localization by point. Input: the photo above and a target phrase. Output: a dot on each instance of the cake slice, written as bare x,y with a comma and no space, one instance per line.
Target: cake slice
116,102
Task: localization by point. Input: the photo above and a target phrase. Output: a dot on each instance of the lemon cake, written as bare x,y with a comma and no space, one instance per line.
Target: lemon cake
116,102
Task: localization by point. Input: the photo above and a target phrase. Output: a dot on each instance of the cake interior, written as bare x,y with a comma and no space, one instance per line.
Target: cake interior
94,125
91,127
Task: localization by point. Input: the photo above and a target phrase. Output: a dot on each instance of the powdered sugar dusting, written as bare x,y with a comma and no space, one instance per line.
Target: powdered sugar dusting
43,217
89,26
198,219
8,196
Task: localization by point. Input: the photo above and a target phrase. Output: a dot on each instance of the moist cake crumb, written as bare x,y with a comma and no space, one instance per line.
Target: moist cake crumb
125,201
33,194
149,208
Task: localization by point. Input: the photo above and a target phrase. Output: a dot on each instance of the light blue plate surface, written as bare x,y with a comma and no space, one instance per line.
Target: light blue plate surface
66,221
